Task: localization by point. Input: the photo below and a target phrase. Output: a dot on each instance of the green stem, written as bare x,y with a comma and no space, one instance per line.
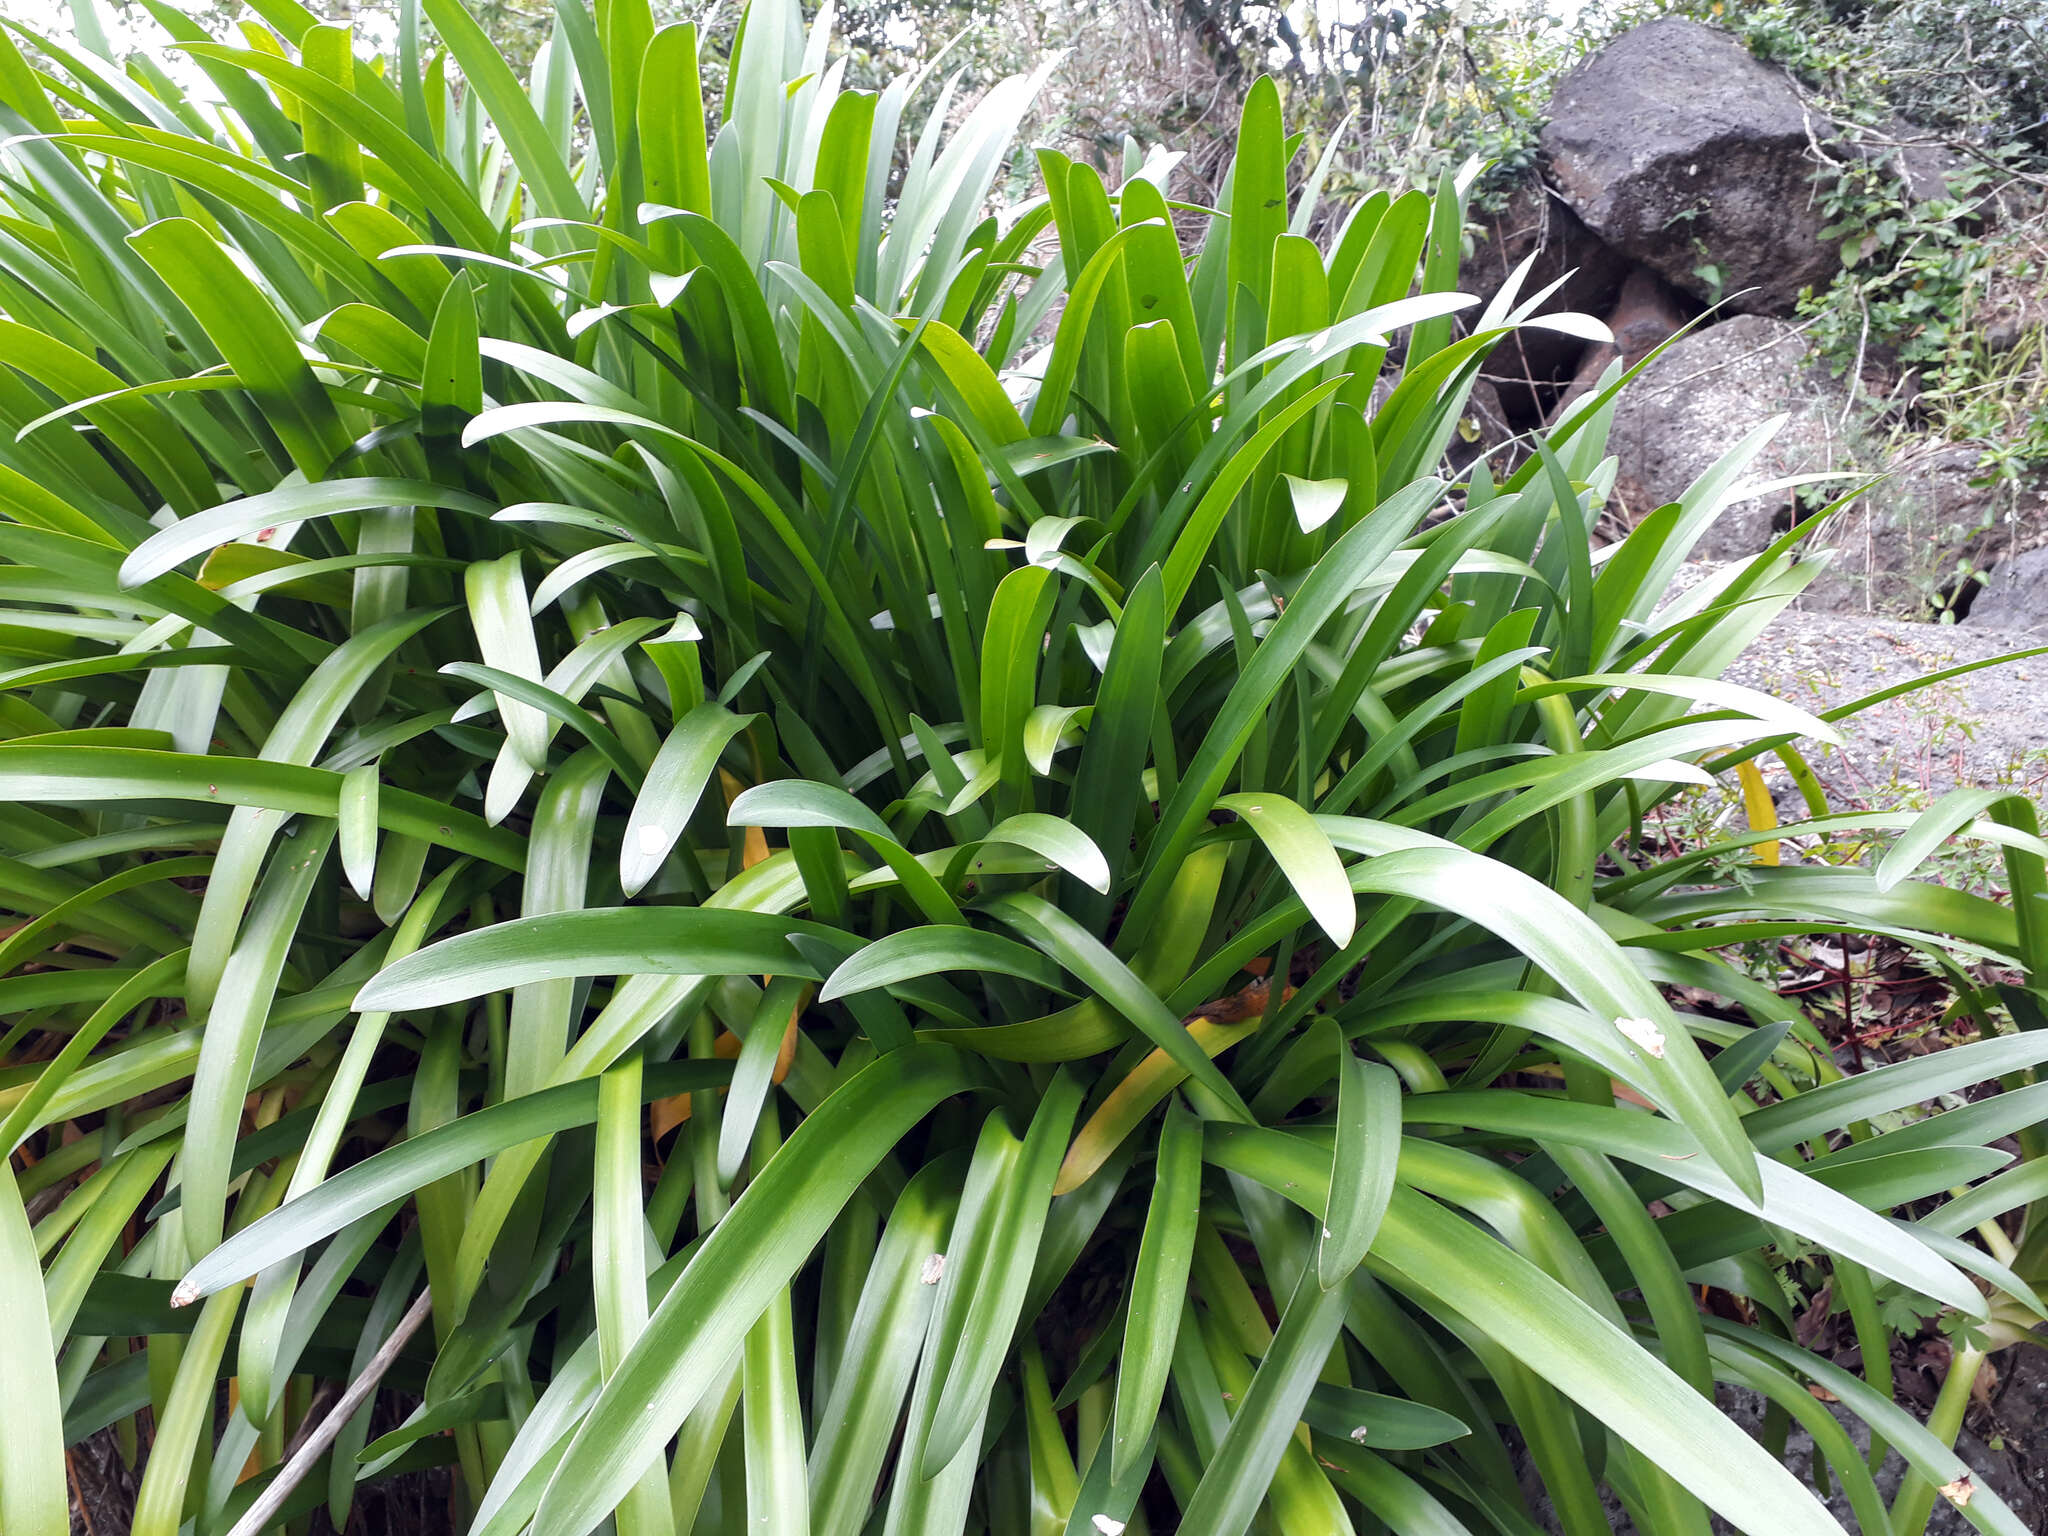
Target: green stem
619,1269
1852,1284
1915,1502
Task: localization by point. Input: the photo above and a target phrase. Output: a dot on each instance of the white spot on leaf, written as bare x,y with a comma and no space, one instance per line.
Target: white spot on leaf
1960,1491
1107,1526
1643,1033
934,1267
1358,1435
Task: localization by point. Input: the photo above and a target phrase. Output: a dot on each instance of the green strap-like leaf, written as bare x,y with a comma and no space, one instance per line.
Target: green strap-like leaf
171,548
915,952
1305,855
855,1428
393,1174
1236,1481
675,782
730,1281
260,351
34,1495
1061,937
988,1319
594,941
1600,1367
1362,1169
1159,1289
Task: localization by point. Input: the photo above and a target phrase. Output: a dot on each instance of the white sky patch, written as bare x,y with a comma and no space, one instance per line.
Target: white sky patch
128,27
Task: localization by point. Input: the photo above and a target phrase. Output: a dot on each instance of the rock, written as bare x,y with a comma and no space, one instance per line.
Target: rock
1900,547
1679,149
2009,323
1647,313
1698,400
1536,222
1986,728
2014,306
2015,597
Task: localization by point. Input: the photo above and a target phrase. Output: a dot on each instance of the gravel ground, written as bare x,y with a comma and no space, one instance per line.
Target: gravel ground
1985,728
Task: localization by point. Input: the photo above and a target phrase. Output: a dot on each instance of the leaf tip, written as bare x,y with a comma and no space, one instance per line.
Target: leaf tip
135,570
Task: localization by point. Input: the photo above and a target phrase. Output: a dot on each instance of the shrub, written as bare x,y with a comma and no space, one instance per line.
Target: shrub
906,867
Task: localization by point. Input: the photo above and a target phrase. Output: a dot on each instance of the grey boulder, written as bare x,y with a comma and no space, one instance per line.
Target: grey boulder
2015,597
1534,222
1699,398
1901,547
1678,148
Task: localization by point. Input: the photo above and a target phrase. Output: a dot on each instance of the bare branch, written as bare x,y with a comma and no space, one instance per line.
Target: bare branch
264,1511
